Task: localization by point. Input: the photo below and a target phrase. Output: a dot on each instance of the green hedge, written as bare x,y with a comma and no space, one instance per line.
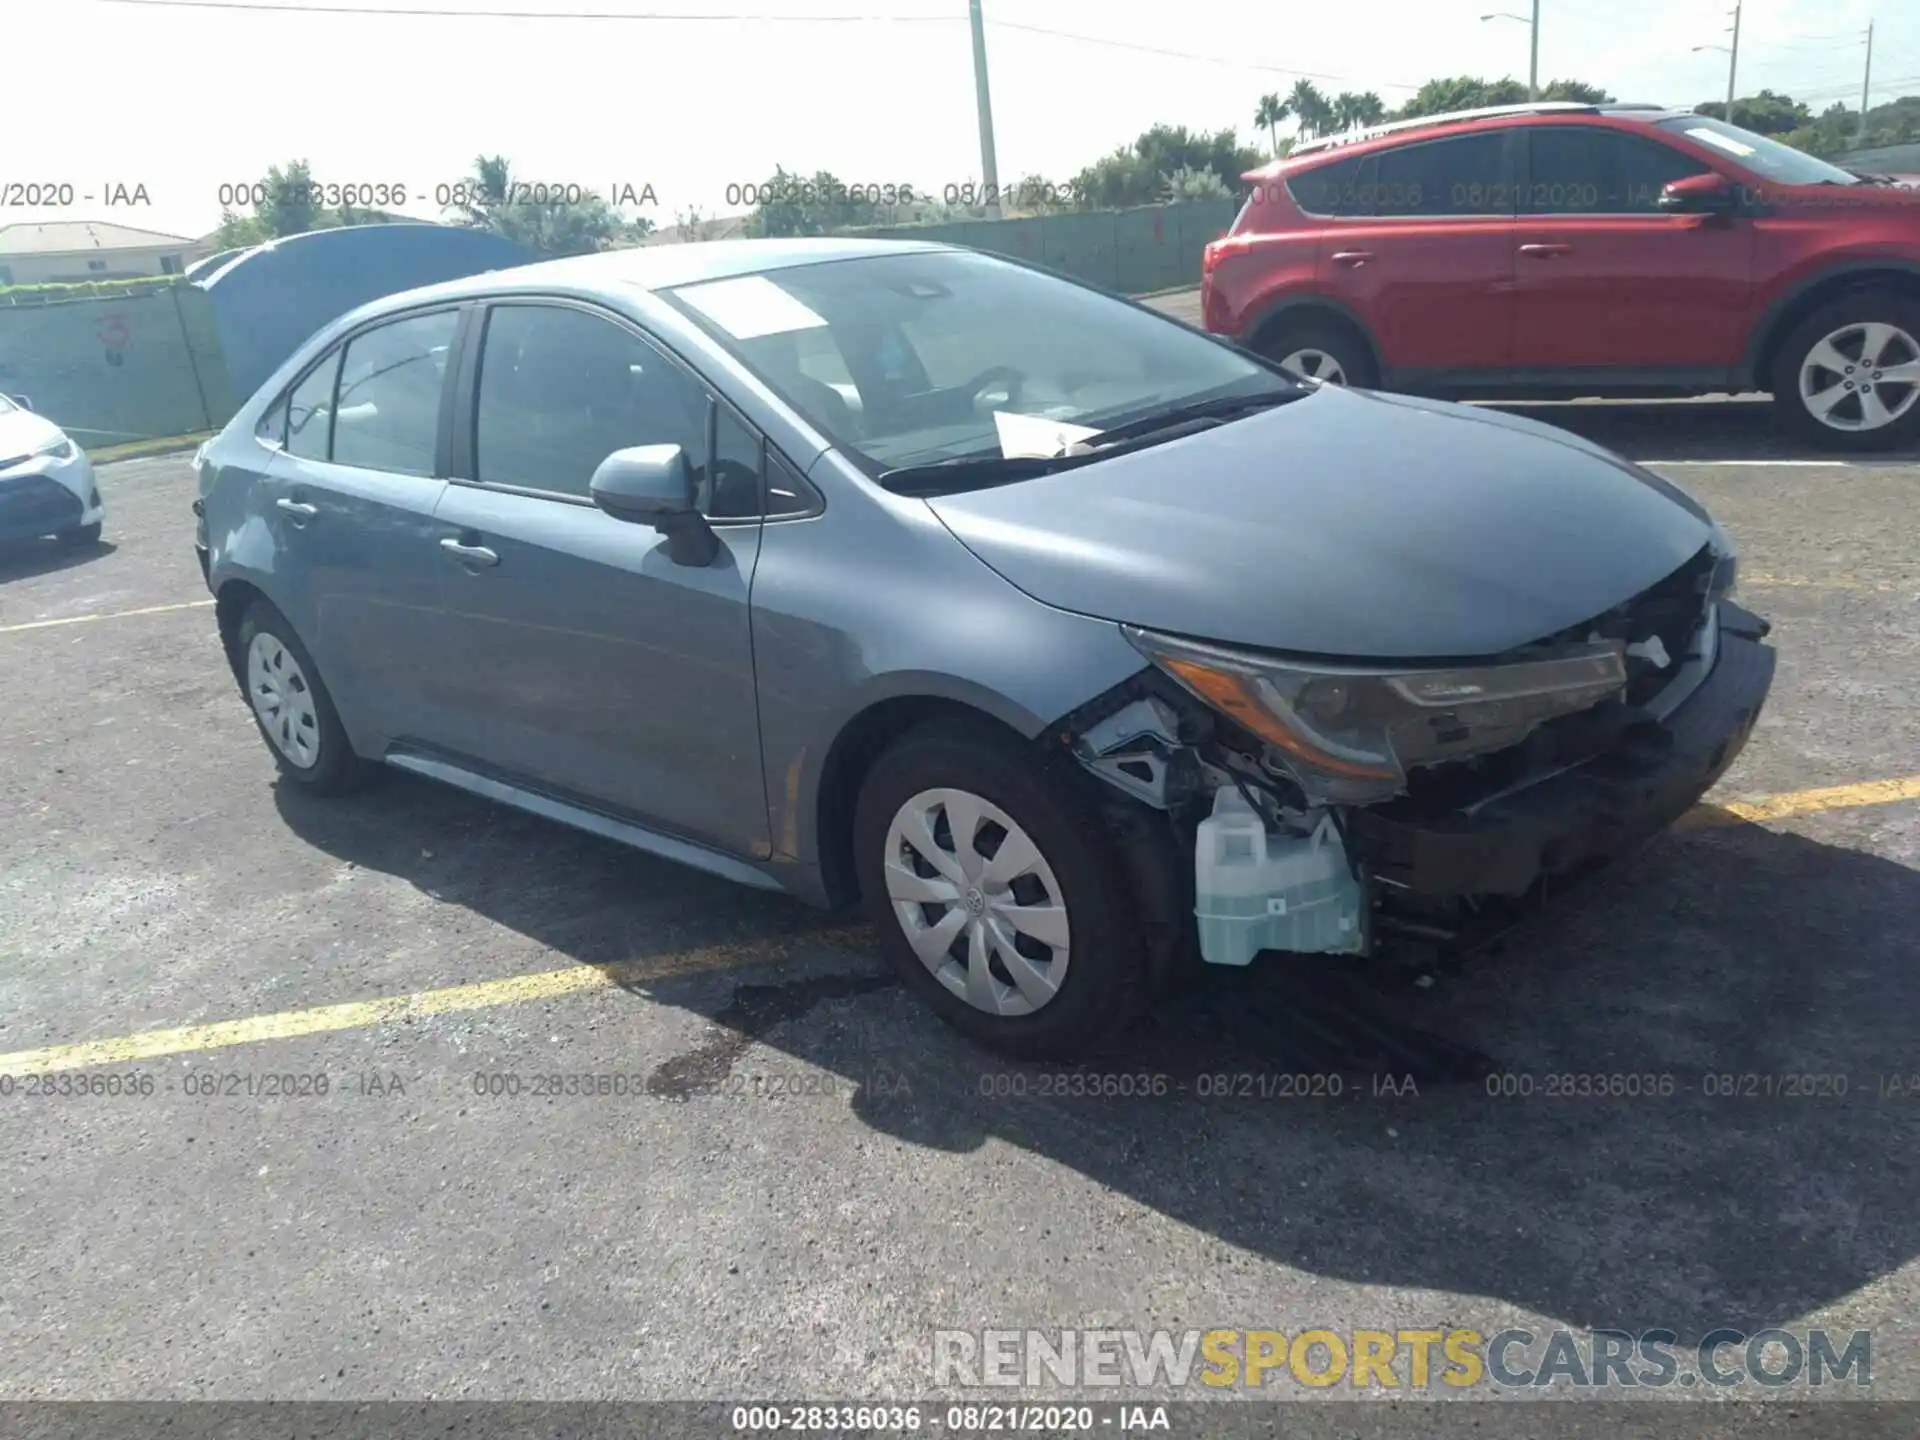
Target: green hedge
85,290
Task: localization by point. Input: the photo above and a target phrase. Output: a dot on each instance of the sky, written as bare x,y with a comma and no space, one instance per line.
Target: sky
695,98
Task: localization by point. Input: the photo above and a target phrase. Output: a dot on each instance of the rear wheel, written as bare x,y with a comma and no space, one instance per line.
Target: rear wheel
80,535
291,706
1848,377
1319,351
997,891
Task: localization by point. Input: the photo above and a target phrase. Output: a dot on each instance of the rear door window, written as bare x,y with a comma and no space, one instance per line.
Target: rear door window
1464,175
391,379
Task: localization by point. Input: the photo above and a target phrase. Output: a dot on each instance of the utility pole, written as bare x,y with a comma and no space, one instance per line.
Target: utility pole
1533,59
1733,60
1866,84
990,171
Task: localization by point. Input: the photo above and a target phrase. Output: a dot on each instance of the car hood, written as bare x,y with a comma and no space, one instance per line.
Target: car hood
22,432
1898,196
1347,524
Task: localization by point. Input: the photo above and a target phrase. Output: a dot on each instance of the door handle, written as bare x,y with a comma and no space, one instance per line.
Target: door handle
469,554
299,509
1545,252
1352,258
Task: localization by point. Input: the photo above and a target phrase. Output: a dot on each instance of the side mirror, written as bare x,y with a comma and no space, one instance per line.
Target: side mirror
651,485
1708,194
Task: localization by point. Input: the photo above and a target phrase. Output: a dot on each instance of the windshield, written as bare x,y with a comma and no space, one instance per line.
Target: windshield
1757,153
922,356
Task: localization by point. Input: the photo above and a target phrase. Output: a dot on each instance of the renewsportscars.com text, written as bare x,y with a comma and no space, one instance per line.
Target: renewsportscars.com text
1400,1359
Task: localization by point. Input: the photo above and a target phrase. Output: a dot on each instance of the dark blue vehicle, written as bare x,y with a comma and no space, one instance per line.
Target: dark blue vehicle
1041,621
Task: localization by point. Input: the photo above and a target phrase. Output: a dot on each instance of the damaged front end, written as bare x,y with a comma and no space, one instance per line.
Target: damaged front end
1325,808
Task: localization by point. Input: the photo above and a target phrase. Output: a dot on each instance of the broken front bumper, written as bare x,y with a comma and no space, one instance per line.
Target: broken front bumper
1570,822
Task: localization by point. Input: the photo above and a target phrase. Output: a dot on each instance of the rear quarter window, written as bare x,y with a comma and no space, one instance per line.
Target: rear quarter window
1340,187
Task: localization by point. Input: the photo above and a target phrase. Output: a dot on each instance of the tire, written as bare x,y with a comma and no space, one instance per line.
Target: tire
1289,341
297,719
1871,324
80,535
1102,971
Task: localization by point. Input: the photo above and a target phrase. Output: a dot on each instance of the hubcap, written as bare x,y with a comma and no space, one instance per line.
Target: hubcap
1316,367
283,700
978,901
1861,377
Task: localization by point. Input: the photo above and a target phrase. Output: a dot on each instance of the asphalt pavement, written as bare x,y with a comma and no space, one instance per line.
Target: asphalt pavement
327,1173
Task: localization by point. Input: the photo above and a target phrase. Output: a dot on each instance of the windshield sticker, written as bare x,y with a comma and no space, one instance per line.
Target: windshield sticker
1723,142
750,306
1036,436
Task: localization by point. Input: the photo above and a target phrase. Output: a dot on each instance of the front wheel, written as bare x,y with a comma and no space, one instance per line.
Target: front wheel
1848,377
997,891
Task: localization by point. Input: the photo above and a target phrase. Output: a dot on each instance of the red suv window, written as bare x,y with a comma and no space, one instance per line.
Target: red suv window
1462,175
1587,170
1340,188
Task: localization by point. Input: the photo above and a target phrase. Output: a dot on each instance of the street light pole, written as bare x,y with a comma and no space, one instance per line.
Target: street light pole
1733,59
1533,59
990,171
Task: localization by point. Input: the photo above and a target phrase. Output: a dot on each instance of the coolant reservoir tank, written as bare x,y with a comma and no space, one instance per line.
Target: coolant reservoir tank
1258,889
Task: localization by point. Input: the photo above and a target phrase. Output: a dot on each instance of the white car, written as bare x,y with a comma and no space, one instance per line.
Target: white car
46,481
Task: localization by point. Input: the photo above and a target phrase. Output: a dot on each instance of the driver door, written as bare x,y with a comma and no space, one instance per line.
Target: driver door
583,661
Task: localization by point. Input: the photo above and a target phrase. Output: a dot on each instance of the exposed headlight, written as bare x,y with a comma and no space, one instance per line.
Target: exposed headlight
1350,734
60,448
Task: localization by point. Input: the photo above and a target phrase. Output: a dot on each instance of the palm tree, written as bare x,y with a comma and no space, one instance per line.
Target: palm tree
480,197
1309,108
1271,112
1351,111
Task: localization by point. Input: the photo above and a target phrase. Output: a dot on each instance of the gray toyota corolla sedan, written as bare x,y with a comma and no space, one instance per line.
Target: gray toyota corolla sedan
1082,646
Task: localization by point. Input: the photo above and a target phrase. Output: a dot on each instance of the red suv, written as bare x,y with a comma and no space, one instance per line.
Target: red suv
1560,250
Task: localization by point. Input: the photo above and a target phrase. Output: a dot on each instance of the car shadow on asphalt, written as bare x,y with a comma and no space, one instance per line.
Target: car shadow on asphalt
22,560
1446,1139
1740,429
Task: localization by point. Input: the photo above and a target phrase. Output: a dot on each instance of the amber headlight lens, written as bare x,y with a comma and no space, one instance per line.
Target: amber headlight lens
1351,734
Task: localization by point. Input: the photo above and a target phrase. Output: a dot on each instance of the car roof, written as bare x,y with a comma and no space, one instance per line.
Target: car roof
1374,137
655,267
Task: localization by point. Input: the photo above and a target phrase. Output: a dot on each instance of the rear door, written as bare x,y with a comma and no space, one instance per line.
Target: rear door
582,660
1606,279
354,485
1419,244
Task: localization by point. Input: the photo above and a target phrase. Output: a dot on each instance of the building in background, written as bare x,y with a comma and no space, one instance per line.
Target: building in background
66,252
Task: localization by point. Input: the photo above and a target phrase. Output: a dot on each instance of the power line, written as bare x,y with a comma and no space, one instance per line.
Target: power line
261,6
1190,55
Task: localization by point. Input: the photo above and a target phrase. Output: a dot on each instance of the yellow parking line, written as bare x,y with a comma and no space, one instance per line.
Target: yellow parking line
1801,802
360,1014
110,615
574,979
